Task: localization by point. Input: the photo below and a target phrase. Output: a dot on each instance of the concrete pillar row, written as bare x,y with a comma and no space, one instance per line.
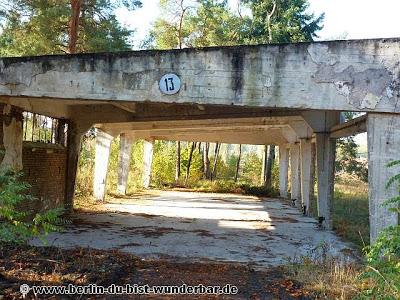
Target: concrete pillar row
125,147
383,131
102,155
294,174
305,171
12,138
147,162
326,152
283,170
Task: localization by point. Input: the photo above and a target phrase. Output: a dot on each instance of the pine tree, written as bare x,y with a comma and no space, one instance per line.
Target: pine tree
38,27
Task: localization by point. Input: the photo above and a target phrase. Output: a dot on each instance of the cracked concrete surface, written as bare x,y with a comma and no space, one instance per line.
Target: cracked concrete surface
192,226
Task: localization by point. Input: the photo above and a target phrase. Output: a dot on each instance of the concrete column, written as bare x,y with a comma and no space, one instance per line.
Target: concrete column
283,170
12,138
383,132
74,138
326,151
147,162
294,174
305,171
125,147
102,155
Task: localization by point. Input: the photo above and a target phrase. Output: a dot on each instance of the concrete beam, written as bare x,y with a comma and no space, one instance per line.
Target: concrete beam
289,134
283,170
352,127
102,155
356,75
226,123
383,147
305,171
301,128
321,121
125,147
147,162
12,138
295,174
326,151
254,137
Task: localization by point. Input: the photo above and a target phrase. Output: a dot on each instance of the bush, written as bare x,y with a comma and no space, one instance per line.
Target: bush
384,255
17,222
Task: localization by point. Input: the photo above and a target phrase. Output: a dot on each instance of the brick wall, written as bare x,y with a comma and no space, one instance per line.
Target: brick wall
44,168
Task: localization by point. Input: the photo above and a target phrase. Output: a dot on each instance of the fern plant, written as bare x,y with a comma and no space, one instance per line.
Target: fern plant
384,255
18,223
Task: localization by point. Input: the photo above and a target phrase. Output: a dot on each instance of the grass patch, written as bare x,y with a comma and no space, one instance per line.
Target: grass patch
350,210
225,186
327,278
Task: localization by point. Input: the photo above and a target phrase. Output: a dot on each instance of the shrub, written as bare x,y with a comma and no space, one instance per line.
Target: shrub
384,255
17,222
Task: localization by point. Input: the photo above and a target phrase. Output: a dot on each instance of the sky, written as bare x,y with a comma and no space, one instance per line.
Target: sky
350,19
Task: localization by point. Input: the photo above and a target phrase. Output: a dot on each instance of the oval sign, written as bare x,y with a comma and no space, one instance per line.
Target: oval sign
170,84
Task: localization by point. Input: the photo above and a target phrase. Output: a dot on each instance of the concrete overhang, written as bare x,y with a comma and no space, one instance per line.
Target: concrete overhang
358,75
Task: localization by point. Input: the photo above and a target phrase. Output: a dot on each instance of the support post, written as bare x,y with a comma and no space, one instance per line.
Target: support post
294,174
283,170
74,139
305,171
12,138
147,162
326,151
102,155
125,147
383,132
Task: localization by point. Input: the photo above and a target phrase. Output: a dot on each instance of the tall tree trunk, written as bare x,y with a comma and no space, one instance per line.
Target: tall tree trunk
76,6
189,162
216,152
264,165
178,162
270,163
269,21
206,159
238,163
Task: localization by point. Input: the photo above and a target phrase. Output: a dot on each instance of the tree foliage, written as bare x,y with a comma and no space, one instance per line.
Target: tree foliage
202,23
347,160
282,21
43,27
18,222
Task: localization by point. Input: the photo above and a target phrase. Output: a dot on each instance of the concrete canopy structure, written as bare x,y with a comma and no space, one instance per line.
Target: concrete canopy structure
289,95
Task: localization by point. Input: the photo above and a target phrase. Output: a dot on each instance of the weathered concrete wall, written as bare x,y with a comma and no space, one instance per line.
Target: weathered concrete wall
358,75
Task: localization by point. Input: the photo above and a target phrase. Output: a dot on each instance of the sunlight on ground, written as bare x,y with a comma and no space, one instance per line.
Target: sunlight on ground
246,225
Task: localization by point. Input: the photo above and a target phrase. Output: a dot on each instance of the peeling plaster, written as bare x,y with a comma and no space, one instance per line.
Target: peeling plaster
363,89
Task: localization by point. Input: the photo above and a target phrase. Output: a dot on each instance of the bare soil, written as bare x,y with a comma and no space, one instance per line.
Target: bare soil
54,266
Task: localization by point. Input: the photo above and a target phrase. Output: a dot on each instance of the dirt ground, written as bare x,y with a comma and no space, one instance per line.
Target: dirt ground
174,238
53,266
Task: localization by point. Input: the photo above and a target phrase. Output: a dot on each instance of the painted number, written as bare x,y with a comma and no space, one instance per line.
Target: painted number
170,84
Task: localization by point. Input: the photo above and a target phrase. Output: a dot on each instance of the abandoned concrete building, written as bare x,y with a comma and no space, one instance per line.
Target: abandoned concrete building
289,95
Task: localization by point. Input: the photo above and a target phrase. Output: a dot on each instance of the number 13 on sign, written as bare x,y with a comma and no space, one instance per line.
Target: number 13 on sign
170,84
